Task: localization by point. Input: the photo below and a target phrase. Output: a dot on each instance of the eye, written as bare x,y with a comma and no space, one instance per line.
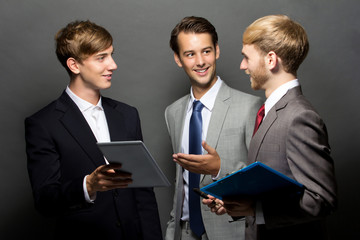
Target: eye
100,58
189,54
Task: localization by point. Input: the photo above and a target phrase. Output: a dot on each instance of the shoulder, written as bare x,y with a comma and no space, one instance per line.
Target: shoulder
239,99
300,113
46,112
246,97
299,105
178,104
243,96
120,106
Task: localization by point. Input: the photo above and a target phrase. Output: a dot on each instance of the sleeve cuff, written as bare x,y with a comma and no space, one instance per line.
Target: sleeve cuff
86,194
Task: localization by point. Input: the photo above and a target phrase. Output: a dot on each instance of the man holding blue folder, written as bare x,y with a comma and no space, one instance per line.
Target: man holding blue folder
290,137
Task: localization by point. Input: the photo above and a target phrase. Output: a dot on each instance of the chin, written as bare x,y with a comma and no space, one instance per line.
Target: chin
107,85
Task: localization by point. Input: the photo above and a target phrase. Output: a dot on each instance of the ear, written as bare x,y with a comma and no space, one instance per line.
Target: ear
73,65
177,60
217,49
271,60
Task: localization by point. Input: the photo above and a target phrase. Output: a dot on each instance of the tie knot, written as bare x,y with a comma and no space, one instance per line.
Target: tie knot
261,111
197,106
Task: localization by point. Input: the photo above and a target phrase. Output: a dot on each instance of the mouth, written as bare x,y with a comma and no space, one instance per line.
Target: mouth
201,71
108,76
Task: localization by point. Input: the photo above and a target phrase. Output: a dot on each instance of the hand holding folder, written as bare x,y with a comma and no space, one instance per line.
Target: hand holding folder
256,180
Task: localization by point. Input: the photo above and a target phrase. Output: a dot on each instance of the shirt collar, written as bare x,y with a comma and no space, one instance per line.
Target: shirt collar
81,103
279,93
208,100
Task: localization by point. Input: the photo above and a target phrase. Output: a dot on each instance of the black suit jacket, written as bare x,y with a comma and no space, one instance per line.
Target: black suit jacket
61,150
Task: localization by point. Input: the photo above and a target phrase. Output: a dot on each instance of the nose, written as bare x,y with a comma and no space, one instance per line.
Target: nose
243,65
112,65
200,61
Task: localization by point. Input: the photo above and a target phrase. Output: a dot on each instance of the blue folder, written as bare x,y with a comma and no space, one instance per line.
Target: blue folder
257,179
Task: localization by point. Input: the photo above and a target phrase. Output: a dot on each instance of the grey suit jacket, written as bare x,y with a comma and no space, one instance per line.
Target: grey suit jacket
230,130
293,139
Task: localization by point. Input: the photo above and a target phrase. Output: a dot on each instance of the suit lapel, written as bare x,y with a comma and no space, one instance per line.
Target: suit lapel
257,139
115,120
218,115
271,117
76,125
179,128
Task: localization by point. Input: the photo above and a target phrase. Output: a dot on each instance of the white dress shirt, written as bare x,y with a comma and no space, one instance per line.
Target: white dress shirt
278,94
95,117
208,100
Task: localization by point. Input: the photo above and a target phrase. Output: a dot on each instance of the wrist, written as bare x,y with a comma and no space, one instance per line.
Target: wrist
89,187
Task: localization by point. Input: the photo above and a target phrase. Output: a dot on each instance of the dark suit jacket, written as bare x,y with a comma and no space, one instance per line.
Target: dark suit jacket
61,150
293,140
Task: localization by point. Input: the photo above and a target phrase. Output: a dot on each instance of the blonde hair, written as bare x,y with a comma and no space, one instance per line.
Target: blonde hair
79,40
282,35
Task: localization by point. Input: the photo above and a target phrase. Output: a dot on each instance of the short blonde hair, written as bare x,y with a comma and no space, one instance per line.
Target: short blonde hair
282,35
79,40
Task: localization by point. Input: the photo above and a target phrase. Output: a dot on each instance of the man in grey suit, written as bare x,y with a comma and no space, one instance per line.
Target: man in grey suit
227,125
292,138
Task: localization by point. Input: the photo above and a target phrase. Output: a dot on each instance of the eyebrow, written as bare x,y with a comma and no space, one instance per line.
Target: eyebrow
101,54
105,53
205,48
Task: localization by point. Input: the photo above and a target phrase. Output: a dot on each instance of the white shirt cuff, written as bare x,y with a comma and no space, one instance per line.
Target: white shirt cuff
87,197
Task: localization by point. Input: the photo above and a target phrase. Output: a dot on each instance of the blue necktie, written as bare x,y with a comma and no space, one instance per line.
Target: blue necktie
195,131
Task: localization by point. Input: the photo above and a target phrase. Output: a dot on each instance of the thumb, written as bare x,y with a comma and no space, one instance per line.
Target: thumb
207,148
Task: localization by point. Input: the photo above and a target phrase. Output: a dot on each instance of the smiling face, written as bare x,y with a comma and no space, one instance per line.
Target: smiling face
197,56
95,72
254,65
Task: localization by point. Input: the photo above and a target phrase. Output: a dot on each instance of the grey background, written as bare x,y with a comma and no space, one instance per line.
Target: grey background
148,79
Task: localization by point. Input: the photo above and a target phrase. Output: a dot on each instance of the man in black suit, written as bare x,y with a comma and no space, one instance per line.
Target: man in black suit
70,177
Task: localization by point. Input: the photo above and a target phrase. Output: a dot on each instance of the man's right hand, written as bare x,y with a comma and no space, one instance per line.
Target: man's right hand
107,177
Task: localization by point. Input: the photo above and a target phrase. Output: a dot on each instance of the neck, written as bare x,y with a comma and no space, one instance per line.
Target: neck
276,81
90,95
200,90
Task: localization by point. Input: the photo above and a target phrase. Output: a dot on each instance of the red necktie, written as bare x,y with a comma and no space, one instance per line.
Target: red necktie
259,118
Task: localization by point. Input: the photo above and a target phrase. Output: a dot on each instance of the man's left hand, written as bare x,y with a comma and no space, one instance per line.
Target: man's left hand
203,164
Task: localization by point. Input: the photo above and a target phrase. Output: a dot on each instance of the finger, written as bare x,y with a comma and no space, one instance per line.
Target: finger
117,175
187,161
207,147
104,168
116,183
207,202
114,165
221,211
218,201
183,157
122,182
